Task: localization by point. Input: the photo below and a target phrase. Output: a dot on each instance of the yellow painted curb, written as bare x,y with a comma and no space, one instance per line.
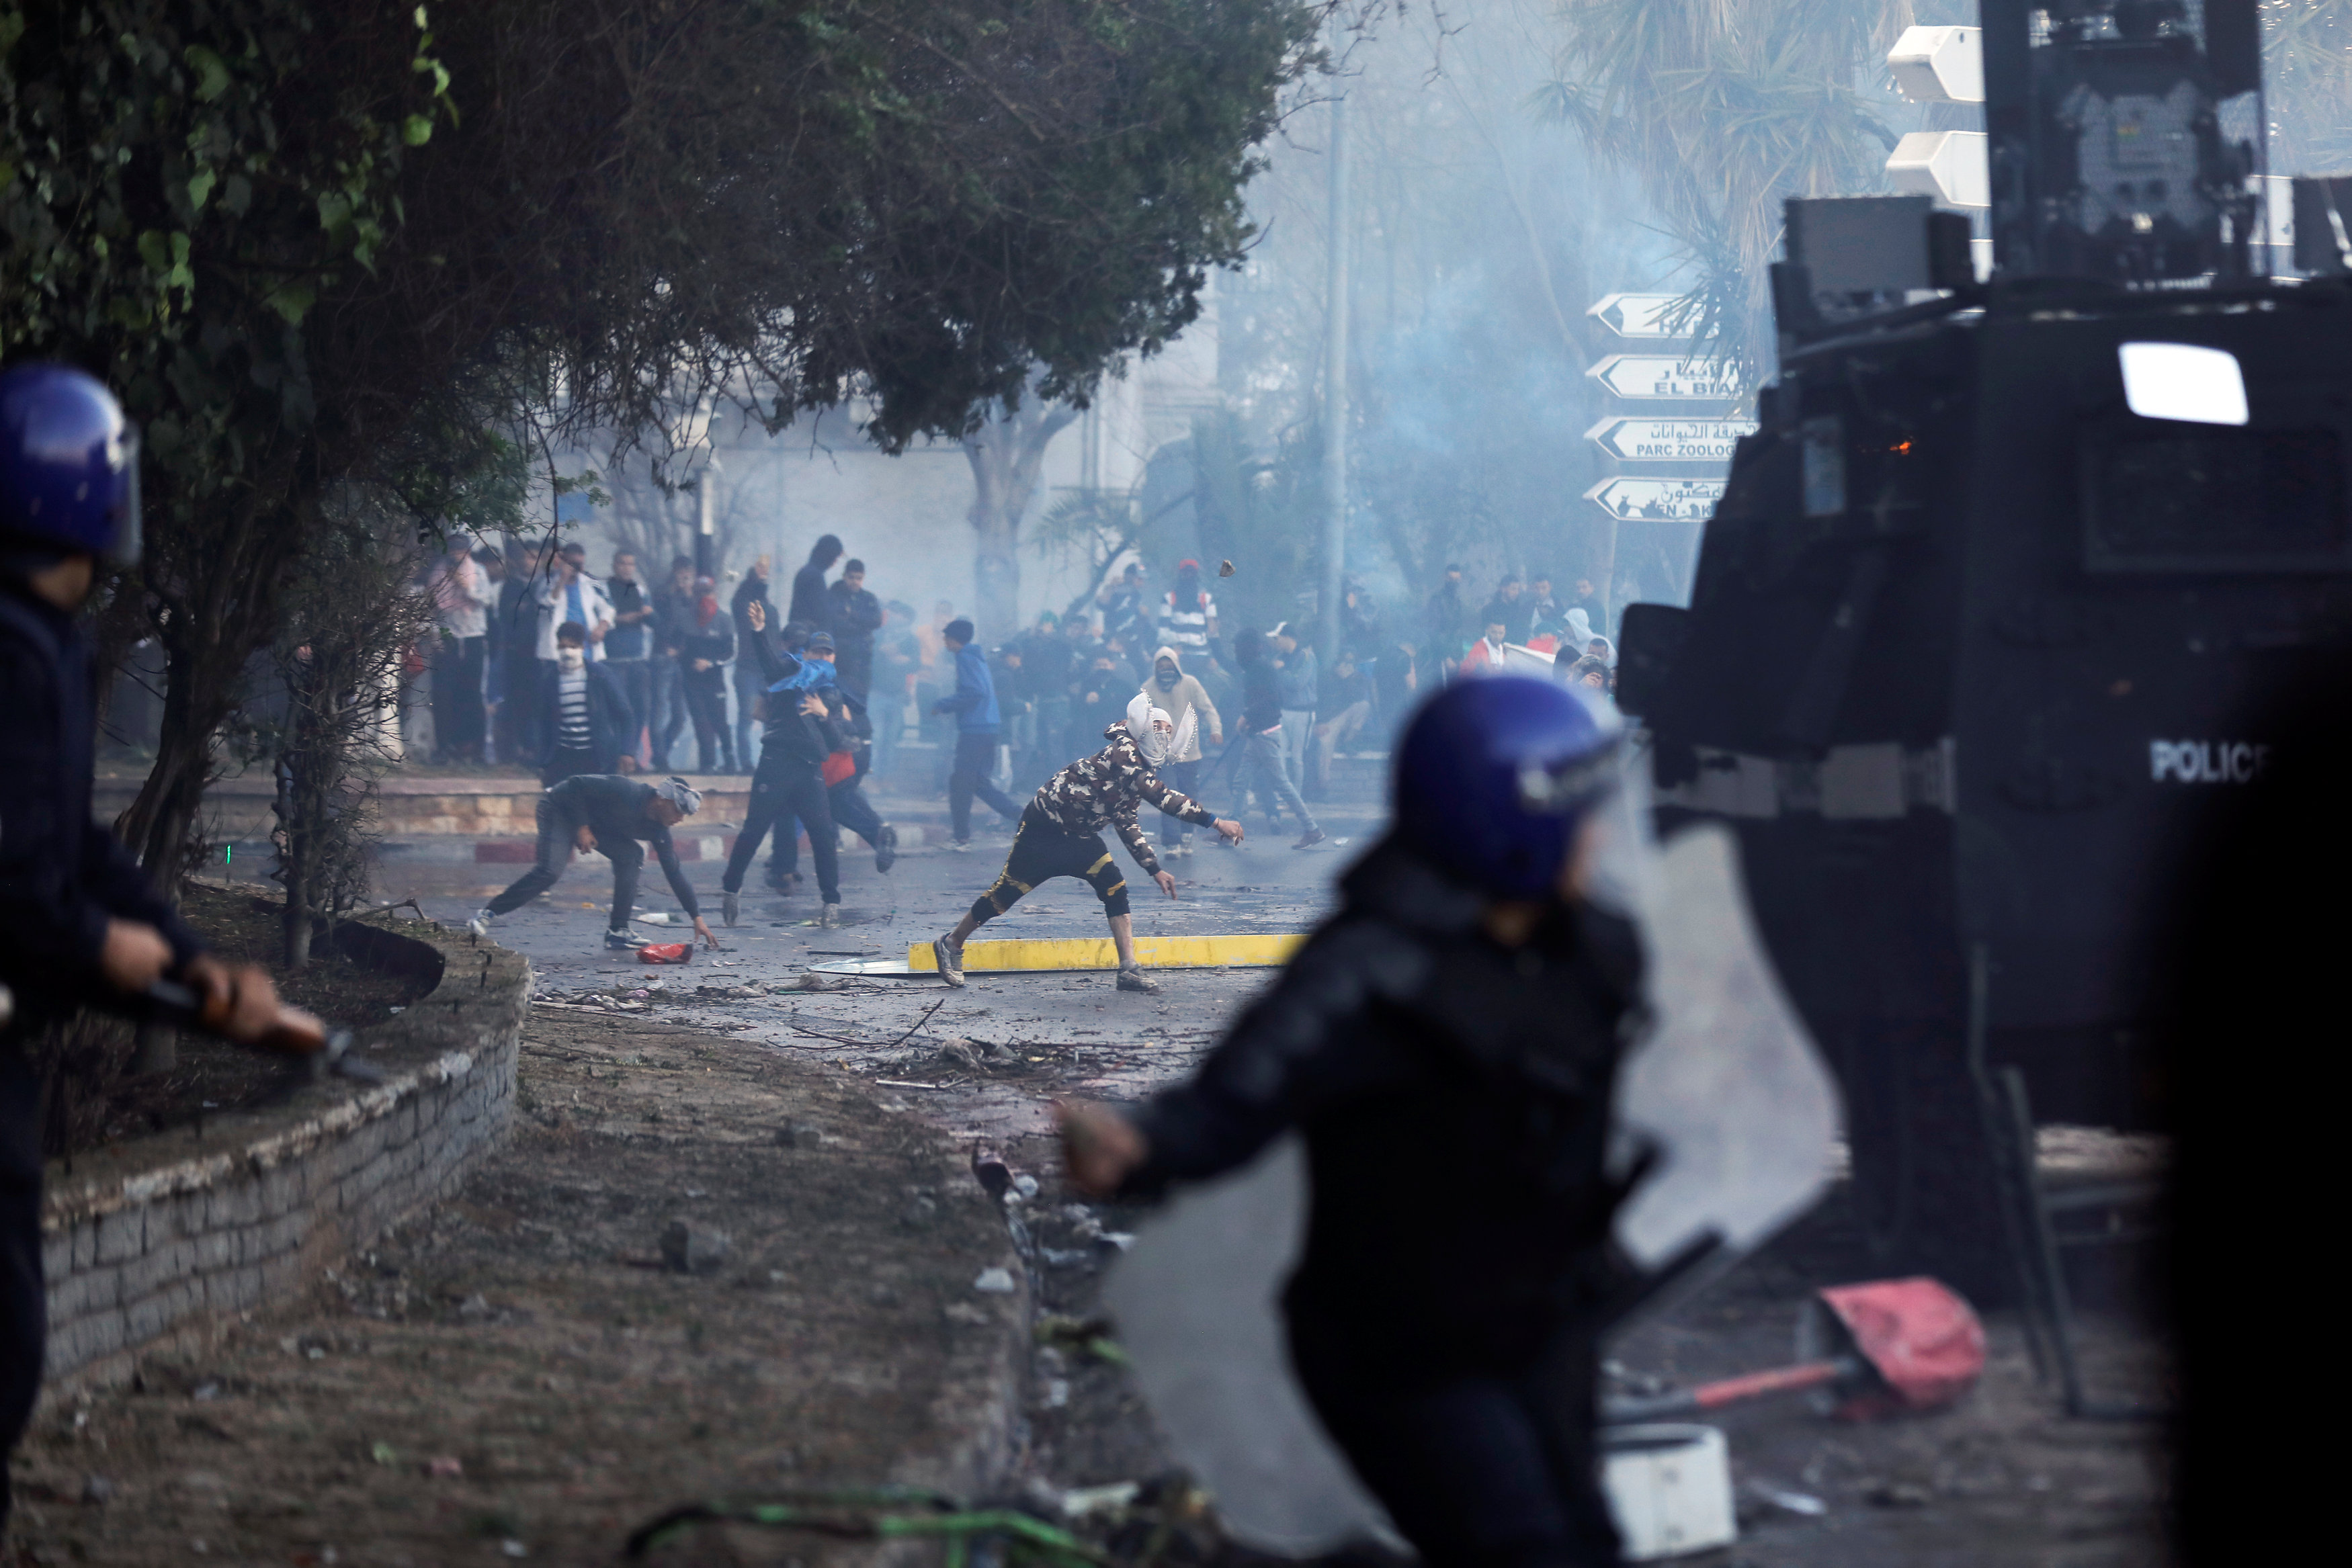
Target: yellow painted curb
1097,952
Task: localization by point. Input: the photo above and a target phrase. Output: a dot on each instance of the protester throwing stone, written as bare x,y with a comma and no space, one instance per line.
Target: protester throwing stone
1463,1013
592,811
1061,835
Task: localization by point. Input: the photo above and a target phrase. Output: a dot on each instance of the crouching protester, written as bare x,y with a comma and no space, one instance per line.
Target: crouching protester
592,811
1467,1003
81,925
1060,835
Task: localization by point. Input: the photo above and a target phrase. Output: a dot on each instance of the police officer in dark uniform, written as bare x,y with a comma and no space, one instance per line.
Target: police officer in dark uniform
1447,1044
80,922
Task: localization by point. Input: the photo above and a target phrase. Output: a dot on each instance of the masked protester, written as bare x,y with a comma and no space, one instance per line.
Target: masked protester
1465,1003
79,923
1186,702
1061,835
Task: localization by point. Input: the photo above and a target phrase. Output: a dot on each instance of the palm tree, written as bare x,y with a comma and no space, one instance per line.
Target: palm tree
2308,69
1722,109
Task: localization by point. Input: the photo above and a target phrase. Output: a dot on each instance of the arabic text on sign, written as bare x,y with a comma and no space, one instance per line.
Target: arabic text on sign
1665,376
1670,440
1629,498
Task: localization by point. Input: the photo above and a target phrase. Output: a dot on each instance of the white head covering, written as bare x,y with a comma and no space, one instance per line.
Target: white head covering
1580,629
1143,722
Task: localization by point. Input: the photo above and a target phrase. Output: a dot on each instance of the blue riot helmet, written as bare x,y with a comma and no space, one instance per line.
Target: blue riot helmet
69,464
1494,778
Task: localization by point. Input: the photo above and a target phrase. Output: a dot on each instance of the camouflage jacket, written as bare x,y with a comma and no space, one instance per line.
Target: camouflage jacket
1107,789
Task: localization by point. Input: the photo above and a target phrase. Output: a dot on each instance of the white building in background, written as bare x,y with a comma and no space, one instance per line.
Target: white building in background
905,515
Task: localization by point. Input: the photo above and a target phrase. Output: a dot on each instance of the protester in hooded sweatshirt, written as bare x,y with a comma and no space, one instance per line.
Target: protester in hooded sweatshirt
811,605
1181,697
1061,835
1262,743
586,723
705,645
978,724
752,590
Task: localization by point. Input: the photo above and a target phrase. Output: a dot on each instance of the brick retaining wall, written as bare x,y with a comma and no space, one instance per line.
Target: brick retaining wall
147,1242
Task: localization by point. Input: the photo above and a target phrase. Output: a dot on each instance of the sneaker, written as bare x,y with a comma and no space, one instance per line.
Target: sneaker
1135,979
481,924
1309,839
886,849
949,956
730,905
620,942
829,916
961,846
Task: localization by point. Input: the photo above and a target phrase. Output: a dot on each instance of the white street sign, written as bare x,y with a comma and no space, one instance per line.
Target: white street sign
1953,166
1629,499
1670,440
1639,315
1665,376
1939,65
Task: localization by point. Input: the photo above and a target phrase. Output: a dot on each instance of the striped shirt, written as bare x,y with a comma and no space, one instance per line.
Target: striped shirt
571,710
1187,628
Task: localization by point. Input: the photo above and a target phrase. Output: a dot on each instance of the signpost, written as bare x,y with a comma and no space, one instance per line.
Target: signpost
1629,498
1640,315
1639,440
1666,376
1681,400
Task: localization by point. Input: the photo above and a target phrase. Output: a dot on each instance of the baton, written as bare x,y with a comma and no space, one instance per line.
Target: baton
296,1033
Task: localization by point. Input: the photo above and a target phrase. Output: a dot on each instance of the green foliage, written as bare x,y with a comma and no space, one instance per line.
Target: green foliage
1723,109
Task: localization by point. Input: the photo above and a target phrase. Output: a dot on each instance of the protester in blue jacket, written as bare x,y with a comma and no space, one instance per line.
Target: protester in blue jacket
977,723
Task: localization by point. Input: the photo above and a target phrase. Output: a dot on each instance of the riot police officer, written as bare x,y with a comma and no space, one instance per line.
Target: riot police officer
80,922
1447,1044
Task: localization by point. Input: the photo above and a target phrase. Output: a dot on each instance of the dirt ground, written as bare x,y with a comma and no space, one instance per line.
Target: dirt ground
519,1373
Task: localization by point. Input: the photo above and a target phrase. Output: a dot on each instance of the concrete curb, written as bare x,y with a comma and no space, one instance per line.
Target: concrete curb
146,1243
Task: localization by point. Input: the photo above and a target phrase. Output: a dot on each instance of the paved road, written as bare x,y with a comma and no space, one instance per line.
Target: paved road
1059,1032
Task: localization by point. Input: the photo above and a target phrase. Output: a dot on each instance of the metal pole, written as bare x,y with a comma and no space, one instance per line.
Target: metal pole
705,542
1335,393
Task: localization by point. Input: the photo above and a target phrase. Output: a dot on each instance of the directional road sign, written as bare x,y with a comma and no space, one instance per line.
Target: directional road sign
1640,315
1630,499
1670,440
1952,166
1666,376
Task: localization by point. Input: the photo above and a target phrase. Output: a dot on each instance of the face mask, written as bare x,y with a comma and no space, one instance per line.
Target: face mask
1167,679
570,658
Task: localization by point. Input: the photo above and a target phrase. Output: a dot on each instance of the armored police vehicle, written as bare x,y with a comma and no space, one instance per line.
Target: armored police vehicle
1985,624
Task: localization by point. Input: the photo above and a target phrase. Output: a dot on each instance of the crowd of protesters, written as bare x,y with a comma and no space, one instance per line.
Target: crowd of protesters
546,665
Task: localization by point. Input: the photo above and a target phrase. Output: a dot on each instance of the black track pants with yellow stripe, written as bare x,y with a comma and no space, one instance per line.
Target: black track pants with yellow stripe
1043,849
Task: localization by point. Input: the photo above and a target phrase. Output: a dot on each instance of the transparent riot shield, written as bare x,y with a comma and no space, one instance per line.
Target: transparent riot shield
1724,1092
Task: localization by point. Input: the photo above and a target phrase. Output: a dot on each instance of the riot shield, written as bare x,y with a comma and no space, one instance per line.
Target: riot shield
1724,1092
